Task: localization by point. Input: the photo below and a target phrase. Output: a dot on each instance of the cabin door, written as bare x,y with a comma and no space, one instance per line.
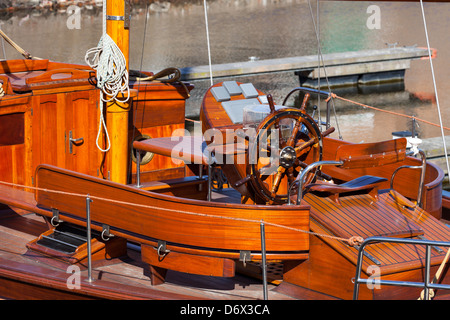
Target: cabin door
64,131
81,153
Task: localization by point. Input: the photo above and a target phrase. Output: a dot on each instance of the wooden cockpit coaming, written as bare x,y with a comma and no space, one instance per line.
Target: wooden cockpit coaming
218,226
406,181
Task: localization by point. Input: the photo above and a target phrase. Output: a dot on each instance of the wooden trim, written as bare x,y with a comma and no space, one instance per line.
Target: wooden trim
6,85
22,65
163,174
188,263
446,199
364,155
167,111
156,91
188,187
406,181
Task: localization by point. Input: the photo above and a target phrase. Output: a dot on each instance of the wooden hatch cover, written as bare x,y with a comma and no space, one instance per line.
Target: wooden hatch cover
360,215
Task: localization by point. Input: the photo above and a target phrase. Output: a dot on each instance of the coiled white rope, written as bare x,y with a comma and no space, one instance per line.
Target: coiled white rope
112,74
110,64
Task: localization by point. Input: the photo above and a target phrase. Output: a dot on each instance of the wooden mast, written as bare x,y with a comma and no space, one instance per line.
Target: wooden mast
117,27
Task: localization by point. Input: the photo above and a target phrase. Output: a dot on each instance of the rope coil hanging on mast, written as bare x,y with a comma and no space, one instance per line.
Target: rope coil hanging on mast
112,75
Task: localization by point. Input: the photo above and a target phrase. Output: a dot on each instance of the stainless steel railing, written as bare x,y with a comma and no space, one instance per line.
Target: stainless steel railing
427,285
88,232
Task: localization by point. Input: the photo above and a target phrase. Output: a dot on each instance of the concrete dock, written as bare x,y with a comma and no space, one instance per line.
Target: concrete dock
359,64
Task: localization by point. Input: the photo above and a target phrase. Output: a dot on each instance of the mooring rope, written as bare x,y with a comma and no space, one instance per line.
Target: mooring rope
335,96
111,66
436,276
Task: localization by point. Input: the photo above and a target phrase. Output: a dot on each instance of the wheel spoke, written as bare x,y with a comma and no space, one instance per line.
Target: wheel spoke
277,180
268,169
301,140
299,150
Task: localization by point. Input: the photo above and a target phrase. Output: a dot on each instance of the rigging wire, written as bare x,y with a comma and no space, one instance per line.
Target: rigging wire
444,262
207,41
335,96
130,163
318,60
321,61
435,87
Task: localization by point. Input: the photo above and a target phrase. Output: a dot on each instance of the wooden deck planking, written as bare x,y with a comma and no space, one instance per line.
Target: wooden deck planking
130,271
393,257
197,286
347,219
20,229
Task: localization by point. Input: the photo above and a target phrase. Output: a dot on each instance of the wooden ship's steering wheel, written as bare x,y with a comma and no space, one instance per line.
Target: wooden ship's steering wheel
285,139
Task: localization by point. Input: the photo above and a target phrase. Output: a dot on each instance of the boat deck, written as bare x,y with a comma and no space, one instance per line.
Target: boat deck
128,273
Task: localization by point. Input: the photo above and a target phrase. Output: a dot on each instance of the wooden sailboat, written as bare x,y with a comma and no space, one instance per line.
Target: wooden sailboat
133,223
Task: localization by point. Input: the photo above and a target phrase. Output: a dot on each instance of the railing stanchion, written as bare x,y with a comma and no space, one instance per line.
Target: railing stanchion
426,284
88,231
263,256
427,272
138,168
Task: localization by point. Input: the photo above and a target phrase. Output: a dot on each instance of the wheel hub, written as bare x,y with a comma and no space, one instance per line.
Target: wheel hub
287,157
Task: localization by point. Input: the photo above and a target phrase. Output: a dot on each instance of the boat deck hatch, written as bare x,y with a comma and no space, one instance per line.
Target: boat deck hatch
362,216
65,239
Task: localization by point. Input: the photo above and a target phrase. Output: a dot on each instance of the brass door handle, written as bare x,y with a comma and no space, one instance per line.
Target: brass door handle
73,141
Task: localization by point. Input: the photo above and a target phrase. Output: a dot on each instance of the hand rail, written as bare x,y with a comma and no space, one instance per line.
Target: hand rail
426,285
422,176
301,176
